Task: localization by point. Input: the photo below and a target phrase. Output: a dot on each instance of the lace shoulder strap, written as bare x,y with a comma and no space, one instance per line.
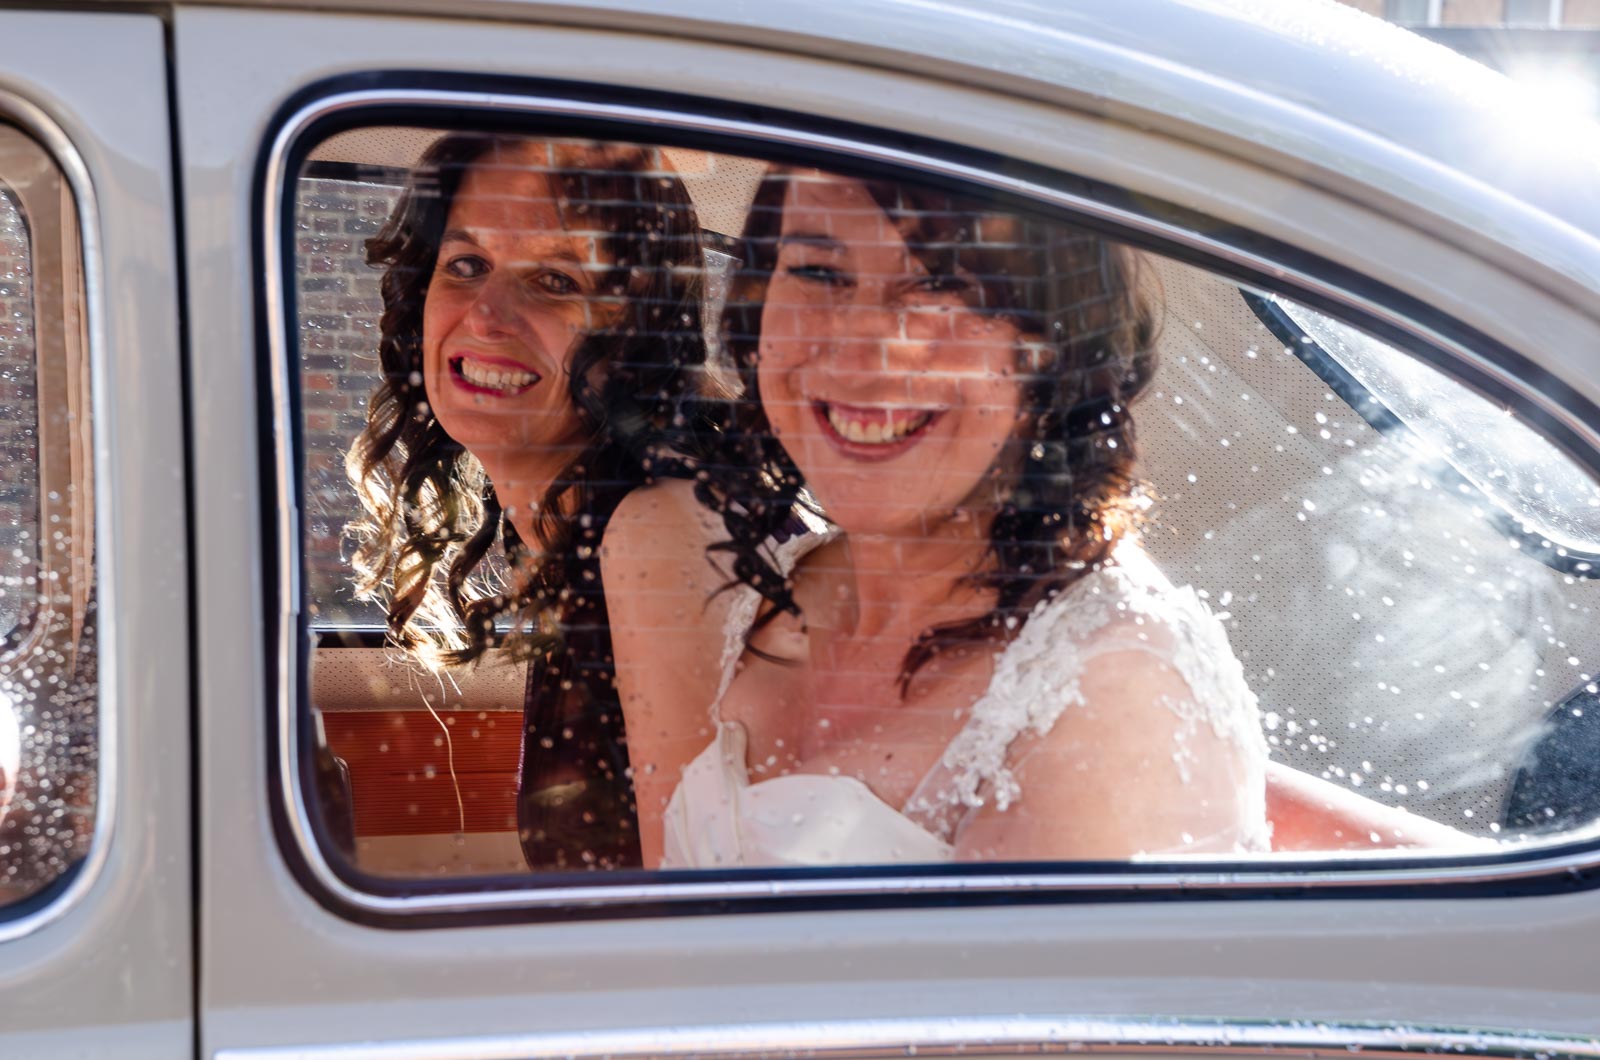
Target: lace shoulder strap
746,604
1125,606
1035,678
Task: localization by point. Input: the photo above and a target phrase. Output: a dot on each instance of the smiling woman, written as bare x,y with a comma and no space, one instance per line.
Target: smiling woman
513,294
539,326
974,660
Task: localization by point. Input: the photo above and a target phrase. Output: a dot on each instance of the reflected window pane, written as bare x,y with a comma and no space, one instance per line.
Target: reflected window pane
1533,482
1411,12
1528,13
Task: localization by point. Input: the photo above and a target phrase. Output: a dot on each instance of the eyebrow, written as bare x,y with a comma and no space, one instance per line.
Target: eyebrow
562,251
827,242
460,234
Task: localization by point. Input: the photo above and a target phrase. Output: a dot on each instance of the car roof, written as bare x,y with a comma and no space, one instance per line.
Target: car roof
1319,69
1312,88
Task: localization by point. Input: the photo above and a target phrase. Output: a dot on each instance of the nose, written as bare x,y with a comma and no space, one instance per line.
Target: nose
492,315
873,335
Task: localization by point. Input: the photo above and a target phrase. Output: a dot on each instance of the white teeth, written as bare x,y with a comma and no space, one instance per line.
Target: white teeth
494,378
894,428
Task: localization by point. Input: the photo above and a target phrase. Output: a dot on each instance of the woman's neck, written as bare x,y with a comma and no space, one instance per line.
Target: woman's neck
895,585
520,485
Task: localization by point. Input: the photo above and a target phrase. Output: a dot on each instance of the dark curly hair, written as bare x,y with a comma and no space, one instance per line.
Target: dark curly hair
1091,351
425,547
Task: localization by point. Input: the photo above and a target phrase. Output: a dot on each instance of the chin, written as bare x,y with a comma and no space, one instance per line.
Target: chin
878,514
467,430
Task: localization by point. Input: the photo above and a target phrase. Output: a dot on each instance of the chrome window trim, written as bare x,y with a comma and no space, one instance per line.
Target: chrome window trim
31,119
1276,871
959,1036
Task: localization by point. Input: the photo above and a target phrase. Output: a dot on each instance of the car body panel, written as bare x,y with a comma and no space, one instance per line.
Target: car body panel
280,970
1252,75
107,969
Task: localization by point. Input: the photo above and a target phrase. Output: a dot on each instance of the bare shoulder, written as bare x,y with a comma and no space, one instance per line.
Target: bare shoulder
662,585
649,510
667,632
660,534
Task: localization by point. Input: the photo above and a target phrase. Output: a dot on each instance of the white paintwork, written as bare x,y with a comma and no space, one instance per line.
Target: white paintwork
1287,80
108,971
1312,125
280,970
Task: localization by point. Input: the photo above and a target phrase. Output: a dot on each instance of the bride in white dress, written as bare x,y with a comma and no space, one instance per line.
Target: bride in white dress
971,657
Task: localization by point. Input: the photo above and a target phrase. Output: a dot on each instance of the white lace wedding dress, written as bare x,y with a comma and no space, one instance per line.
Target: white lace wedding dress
718,818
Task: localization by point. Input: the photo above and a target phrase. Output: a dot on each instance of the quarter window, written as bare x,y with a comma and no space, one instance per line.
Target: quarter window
48,642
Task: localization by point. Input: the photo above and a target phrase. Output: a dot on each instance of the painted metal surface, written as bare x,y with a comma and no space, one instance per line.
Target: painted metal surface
280,971
1317,87
107,970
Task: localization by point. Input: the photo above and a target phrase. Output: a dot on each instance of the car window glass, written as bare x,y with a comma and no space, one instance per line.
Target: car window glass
48,675
1543,490
18,418
673,509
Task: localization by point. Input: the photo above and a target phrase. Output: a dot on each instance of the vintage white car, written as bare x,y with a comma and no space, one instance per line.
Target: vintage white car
238,821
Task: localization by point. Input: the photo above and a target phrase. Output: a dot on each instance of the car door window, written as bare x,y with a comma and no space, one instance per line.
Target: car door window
1222,602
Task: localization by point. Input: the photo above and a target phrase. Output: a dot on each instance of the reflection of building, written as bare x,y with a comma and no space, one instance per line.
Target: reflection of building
1551,44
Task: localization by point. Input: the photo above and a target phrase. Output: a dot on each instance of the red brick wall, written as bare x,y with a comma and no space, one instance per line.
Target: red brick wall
337,307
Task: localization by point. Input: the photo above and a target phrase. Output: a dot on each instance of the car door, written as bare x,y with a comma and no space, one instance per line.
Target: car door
294,153
95,922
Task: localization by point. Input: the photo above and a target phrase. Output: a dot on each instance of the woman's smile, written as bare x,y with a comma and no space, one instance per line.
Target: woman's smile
498,377
871,432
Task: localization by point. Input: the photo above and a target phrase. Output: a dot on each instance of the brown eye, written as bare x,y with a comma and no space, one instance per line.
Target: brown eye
466,267
949,283
558,283
826,275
